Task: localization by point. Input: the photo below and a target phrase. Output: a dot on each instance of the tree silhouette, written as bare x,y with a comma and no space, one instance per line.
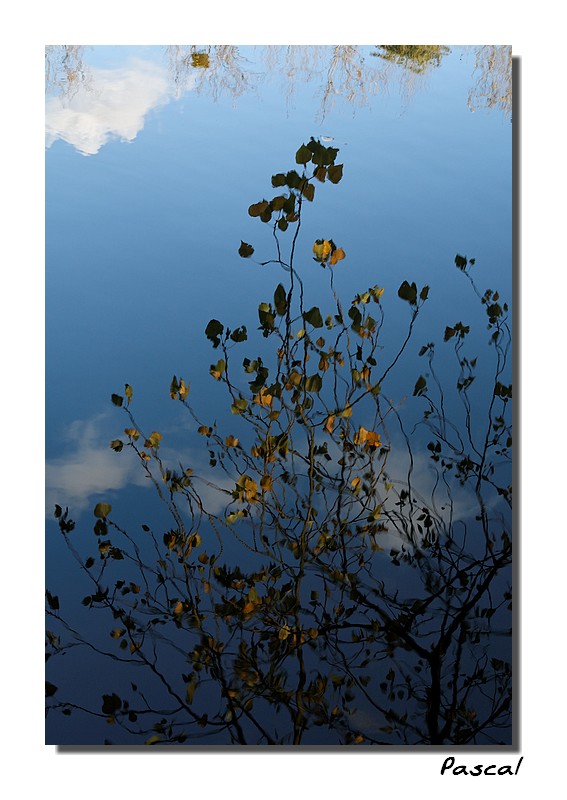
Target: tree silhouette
330,601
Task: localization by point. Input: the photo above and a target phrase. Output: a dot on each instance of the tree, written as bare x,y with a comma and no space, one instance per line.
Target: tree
417,58
328,602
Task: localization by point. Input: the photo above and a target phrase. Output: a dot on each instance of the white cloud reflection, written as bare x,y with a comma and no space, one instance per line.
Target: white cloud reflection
113,104
90,469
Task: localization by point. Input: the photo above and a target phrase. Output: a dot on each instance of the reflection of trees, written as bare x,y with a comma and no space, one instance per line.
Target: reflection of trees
65,70
493,87
343,72
216,70
415,57
331,600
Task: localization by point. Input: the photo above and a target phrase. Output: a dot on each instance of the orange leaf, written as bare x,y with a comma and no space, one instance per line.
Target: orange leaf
338,255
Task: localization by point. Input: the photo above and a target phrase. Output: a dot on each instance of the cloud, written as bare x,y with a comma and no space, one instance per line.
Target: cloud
113,104
90,468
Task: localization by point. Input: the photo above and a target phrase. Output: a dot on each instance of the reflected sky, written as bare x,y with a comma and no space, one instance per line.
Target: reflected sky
136,232
153,155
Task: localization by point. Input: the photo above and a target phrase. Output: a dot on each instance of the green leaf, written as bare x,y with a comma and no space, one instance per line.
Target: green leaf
239,406
330,155
356,318
213,331
335,173
234,516
293,179
257,209
423,295
420,385
280,300
314,383
102,510
461,261
116,399
320,173
128,392
313,317
117,445
278,180
408,293
245,250
111,703
289,205
266,317
239,335
303,155
153,739
308,191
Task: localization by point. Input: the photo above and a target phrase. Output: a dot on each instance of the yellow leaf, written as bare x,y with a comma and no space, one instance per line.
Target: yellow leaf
248,607
330,423
183,390
356,483
251,490
373,439
284,633
338,255
203,430
321,249
263,398
231,441
266,483
178,608
153,440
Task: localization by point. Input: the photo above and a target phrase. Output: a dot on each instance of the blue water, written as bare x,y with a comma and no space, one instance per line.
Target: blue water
148,182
